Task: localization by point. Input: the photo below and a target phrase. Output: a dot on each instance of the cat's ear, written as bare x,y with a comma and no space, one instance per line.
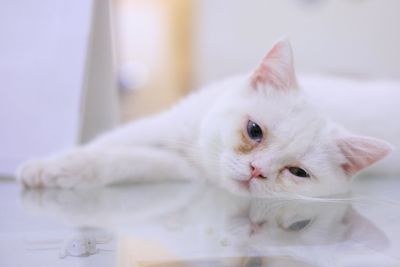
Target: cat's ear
361,152
276,68
363,232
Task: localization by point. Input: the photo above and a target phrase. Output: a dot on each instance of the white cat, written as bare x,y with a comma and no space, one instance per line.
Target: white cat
254,133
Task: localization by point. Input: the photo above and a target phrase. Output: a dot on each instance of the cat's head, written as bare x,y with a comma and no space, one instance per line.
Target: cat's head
307,223
262,136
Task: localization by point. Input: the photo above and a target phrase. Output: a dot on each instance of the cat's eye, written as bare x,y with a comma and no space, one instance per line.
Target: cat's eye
254,131
299,225
299,172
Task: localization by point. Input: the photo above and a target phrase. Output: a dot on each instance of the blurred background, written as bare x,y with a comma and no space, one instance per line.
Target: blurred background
166,48
71,69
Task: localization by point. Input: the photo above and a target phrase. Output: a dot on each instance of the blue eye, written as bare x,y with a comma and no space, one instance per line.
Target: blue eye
299,172
254,131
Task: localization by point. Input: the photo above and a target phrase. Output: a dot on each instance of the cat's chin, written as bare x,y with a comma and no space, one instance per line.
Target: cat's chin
250,188
236,187
243,187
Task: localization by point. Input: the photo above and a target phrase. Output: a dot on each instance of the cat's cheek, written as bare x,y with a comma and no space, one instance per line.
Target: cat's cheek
289,179
286,182
234,167
284,179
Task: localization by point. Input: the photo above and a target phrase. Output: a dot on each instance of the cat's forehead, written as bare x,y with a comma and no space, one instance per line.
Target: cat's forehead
290,124
289,113
288,119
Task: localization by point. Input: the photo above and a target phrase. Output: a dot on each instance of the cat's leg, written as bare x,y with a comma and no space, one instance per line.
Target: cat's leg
148,149
94,166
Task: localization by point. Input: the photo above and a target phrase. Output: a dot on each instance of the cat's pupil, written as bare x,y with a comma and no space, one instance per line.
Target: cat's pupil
298,172
254,131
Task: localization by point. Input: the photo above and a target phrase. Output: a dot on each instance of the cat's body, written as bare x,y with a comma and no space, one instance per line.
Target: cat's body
163,144
254,133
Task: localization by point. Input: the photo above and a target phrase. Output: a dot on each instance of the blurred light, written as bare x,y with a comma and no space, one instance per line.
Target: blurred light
133,75
142,28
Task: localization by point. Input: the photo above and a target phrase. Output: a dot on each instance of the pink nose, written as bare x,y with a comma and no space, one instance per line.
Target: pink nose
256,172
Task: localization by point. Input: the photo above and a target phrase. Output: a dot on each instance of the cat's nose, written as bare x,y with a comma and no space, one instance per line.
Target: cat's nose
255,227
256,172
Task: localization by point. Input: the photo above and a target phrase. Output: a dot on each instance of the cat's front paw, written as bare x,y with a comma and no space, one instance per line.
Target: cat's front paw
68,171
30,173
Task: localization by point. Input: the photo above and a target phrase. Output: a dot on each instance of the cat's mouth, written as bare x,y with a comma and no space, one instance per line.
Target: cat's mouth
245,184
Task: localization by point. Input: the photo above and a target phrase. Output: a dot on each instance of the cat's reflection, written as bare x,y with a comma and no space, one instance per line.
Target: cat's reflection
298,233
293,223
109,206
253,226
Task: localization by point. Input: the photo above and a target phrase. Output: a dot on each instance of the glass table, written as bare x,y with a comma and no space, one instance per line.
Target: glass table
194,224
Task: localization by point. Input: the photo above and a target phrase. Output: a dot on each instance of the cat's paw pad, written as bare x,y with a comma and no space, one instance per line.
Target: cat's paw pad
66,172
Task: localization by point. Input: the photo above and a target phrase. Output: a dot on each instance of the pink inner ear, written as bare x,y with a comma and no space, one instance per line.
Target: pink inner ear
276,69
361,152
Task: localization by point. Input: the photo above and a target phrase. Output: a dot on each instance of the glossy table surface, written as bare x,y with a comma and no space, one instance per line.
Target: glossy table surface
198,225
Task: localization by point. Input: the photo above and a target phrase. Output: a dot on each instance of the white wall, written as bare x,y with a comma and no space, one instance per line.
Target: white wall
42,52
336,36
57,84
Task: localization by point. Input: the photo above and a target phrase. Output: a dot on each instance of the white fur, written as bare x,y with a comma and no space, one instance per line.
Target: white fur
370,107
197,139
